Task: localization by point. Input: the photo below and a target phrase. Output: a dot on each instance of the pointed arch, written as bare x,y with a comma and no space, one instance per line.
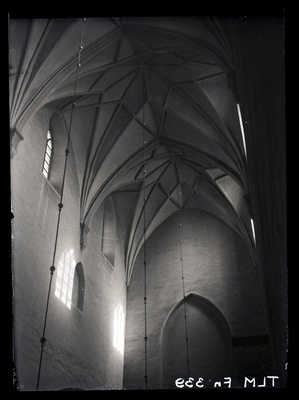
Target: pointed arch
209,341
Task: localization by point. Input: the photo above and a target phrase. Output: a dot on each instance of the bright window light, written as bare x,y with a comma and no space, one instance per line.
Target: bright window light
119,329
242,128
47,156
65,278
252,228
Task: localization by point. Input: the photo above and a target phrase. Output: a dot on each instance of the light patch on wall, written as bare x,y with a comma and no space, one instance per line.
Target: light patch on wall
119,329
65,278
242,128
253,229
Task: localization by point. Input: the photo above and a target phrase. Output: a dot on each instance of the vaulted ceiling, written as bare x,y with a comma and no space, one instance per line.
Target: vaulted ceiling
155,116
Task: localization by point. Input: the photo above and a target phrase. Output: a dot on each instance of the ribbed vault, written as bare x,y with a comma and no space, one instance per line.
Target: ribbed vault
148,89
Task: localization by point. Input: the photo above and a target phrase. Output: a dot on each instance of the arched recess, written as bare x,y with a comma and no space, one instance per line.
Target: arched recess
78,287
209,341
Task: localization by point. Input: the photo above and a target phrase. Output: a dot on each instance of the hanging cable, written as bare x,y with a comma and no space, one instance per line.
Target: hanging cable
144,238
60,205
180,204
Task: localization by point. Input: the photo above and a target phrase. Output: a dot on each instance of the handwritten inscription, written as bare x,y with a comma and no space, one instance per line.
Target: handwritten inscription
266,381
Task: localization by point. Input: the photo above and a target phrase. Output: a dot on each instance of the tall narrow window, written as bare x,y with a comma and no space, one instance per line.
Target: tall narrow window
253,230
242,129
119,329
47,156
65,278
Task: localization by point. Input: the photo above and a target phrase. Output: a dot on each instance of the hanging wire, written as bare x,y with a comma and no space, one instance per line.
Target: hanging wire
144,240
180,204
60,205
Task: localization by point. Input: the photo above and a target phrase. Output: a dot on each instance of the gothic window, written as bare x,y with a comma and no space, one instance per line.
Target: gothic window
47,155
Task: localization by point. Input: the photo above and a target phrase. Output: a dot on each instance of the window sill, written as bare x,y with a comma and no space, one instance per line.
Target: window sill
106,261
51,186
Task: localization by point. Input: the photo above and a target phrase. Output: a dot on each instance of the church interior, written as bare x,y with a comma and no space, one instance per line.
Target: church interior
148,193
